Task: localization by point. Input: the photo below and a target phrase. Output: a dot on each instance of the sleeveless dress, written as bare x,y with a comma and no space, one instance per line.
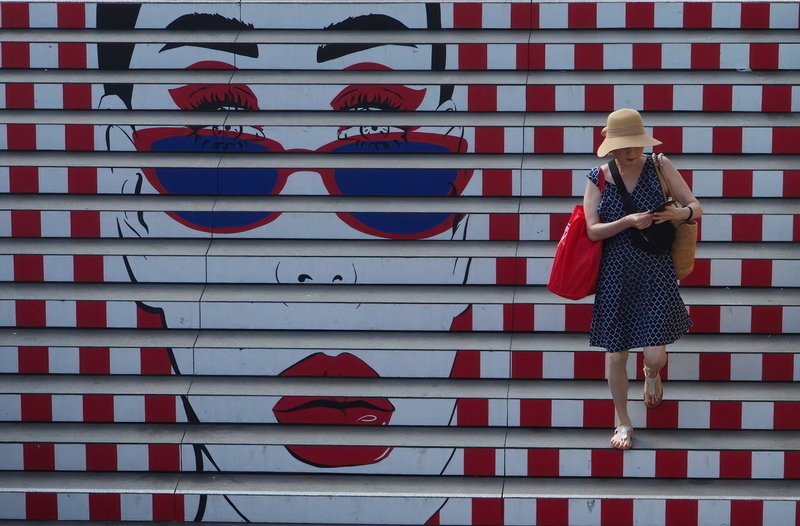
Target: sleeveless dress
637,303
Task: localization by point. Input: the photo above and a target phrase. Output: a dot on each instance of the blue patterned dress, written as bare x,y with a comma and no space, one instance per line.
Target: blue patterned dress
637,302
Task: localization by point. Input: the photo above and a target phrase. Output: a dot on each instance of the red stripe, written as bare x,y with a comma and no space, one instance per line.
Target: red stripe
665,416
785,140
718,98
777,367
467,16
557,183
168,508
163,457
526,364
746,227
715,366
540,98
600,98
726,414
747,512
705,318
737,183
588,56
558,222
755,16
776,98
787,415
735,464
671,464
535,413
647,56
697,15
764,55
522,15
791,465
766,319
543,462
640,14
589,365
479,462
41,506
553,512
548,140
582,15
616,512
578,318
36,408
598,413
680,512
727,140
104,506
606,463
705,55
511,271
487,512
671,138
518,317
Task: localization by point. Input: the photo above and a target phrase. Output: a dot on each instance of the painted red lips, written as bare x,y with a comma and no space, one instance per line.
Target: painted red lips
334,410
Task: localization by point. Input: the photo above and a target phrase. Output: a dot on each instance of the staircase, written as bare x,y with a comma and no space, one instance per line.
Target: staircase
156,363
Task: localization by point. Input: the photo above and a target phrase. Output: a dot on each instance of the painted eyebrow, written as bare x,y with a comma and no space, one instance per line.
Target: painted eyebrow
195,21
371,22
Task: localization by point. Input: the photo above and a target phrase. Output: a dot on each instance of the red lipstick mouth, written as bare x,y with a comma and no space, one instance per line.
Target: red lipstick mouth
334,410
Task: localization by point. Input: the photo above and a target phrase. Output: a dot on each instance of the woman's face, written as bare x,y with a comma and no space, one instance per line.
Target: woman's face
627,156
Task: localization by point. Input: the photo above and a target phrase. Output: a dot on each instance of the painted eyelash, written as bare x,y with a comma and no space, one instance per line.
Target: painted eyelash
216,102
367,102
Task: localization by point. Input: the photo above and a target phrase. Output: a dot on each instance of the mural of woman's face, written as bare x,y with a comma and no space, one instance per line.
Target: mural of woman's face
239,95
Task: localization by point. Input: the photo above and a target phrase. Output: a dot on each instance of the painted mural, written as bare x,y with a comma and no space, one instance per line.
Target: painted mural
230,153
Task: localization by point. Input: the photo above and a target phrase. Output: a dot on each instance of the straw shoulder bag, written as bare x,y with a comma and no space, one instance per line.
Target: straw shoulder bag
685,242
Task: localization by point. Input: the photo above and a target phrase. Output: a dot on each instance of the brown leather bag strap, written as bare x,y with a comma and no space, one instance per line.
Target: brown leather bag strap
666,188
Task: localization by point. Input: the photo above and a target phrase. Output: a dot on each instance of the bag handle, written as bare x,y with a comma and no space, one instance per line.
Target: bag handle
666,188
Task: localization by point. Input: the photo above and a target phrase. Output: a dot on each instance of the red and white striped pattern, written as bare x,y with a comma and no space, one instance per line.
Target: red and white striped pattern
671,414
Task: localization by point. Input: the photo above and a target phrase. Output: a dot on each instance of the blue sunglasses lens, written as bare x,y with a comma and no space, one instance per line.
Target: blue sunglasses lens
210,181
396,182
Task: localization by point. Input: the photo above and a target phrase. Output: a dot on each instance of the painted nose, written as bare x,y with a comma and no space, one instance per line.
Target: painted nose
316,271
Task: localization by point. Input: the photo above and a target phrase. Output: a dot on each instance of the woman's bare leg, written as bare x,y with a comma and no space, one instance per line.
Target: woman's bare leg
655,358
617,374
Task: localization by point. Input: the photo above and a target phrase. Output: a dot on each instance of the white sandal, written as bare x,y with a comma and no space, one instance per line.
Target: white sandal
624,433
650,386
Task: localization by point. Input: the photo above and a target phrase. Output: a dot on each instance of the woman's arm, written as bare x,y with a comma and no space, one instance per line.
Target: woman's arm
682,194
598,230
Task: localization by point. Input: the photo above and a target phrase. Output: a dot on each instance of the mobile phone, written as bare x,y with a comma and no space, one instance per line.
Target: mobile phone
663,206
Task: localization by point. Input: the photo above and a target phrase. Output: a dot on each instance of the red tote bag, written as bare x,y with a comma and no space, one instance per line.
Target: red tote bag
577,261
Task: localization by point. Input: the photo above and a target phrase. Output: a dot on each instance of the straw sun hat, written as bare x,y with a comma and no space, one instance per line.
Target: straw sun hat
624,129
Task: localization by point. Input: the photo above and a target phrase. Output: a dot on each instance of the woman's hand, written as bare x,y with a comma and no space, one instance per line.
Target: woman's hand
668,214
641,220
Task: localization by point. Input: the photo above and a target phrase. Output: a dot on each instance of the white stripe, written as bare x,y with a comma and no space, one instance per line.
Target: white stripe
567,413
779,512
697,140
8,313
43,15
60,313
67,408
734,56
64,360
629,97
125,361
570,98
50,137
487,317
747,98
498,413
791,320
756,140
559,56
11,457
539,270
496,16
553,16
575,463
129,408
73,506
53,179
513,412
12,506
639,463
55,223
777,228
137,507
499,460
501,56
610,15
511,98
786,273
703,464
558,364
618,56
783,15
788,56
768,464
578,140
726,273
717,228
516,464
10,408
456,511
694,415
549,317
534,227
707,184
584,511
58,268
758,415
121,314
689,98
726,15
668,14
744,367
132,457
495,364
519,512
767,183
9,360
44,56
735,318
676,56
713,512
514,142
684,366
795,98
70,457
649,512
